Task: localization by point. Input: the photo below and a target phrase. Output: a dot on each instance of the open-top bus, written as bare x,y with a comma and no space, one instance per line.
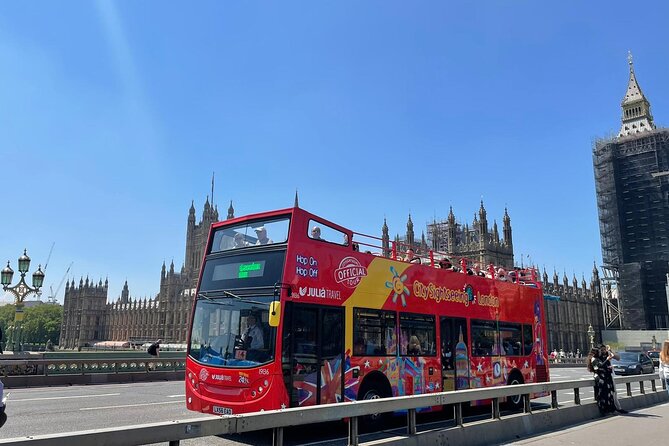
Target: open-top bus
287,316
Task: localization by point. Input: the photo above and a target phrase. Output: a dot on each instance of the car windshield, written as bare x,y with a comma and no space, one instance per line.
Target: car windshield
232,331
629,357
654,354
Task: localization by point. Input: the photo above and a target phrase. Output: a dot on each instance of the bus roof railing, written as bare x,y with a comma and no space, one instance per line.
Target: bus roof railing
440,259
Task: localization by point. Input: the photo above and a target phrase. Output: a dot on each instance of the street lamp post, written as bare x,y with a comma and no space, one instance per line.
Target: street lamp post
20,291
591,335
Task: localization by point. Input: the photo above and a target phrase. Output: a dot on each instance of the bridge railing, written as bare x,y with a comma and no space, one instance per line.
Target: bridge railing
175,431
75,366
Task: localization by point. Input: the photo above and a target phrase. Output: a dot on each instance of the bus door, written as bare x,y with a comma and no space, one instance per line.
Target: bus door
454,353
314,348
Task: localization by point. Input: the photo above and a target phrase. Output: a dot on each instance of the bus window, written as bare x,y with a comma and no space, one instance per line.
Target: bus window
511,338
528,340
320,231
484,338
417,335
259,232
374,332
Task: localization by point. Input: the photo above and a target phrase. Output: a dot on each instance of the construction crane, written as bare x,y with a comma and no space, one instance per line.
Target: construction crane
53,296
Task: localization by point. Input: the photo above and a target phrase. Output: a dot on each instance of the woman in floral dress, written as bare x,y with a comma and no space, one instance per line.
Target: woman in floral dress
603,381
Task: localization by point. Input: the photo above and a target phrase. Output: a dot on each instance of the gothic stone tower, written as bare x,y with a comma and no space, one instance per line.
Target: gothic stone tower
83,313
478,243
633,204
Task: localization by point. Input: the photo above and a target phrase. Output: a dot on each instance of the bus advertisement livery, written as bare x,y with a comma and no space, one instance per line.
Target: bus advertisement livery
292,310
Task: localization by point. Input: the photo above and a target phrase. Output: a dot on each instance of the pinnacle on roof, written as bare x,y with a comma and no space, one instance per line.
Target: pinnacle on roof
482,212
297,201
506,216
231,211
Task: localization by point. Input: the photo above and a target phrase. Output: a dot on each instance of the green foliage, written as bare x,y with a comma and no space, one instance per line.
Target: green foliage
40,323
6,318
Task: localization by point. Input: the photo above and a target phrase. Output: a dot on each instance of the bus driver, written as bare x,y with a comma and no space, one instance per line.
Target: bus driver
253,339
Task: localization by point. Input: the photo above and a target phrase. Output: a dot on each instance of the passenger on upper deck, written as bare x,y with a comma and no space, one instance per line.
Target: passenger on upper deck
261,232
239,241
316,233
411,256
476,269
446,263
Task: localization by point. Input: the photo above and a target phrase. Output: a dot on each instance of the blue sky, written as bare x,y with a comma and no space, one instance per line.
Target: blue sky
113,116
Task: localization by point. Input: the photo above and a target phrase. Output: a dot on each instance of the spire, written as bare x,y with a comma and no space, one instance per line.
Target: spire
297,201
212,188
451,216
483,223
231,211
385,239
191,213
410,233
595,272
125,293
508,238
482,212
636,108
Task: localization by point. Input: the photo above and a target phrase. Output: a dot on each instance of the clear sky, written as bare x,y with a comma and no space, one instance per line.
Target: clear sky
113,116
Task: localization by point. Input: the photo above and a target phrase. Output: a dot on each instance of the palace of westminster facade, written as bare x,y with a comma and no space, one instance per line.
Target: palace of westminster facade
88,317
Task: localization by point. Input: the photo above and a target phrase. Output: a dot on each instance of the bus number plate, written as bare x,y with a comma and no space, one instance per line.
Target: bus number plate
222,410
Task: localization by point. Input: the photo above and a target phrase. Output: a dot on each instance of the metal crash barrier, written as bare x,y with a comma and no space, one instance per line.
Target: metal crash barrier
479,432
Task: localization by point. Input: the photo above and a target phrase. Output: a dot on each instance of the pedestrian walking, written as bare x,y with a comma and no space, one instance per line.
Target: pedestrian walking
154,349
664,363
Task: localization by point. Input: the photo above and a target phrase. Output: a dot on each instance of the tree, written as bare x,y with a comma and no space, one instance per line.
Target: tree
6,319
42,323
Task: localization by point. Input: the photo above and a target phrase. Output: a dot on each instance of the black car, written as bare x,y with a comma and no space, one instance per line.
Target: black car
654,355
632,363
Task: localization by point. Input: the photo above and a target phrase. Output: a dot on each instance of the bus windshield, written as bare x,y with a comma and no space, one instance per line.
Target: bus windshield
232,331
256,233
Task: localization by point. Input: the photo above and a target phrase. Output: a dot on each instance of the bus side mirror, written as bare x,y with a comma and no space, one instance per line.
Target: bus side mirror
274,313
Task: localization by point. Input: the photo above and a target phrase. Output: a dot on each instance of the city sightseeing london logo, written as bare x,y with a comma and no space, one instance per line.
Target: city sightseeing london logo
350,272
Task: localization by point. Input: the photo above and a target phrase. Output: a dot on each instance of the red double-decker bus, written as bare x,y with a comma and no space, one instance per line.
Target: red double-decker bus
294,310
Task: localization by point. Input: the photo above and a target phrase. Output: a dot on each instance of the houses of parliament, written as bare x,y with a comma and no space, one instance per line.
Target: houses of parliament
88,317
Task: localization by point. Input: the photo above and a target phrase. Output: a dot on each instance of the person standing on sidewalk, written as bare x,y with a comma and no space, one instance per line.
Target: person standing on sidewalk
607,355
603,382
664,364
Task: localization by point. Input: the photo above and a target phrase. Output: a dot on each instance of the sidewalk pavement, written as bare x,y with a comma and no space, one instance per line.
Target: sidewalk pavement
638,427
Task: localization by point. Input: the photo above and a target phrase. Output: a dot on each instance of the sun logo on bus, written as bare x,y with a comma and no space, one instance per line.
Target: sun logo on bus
398,287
